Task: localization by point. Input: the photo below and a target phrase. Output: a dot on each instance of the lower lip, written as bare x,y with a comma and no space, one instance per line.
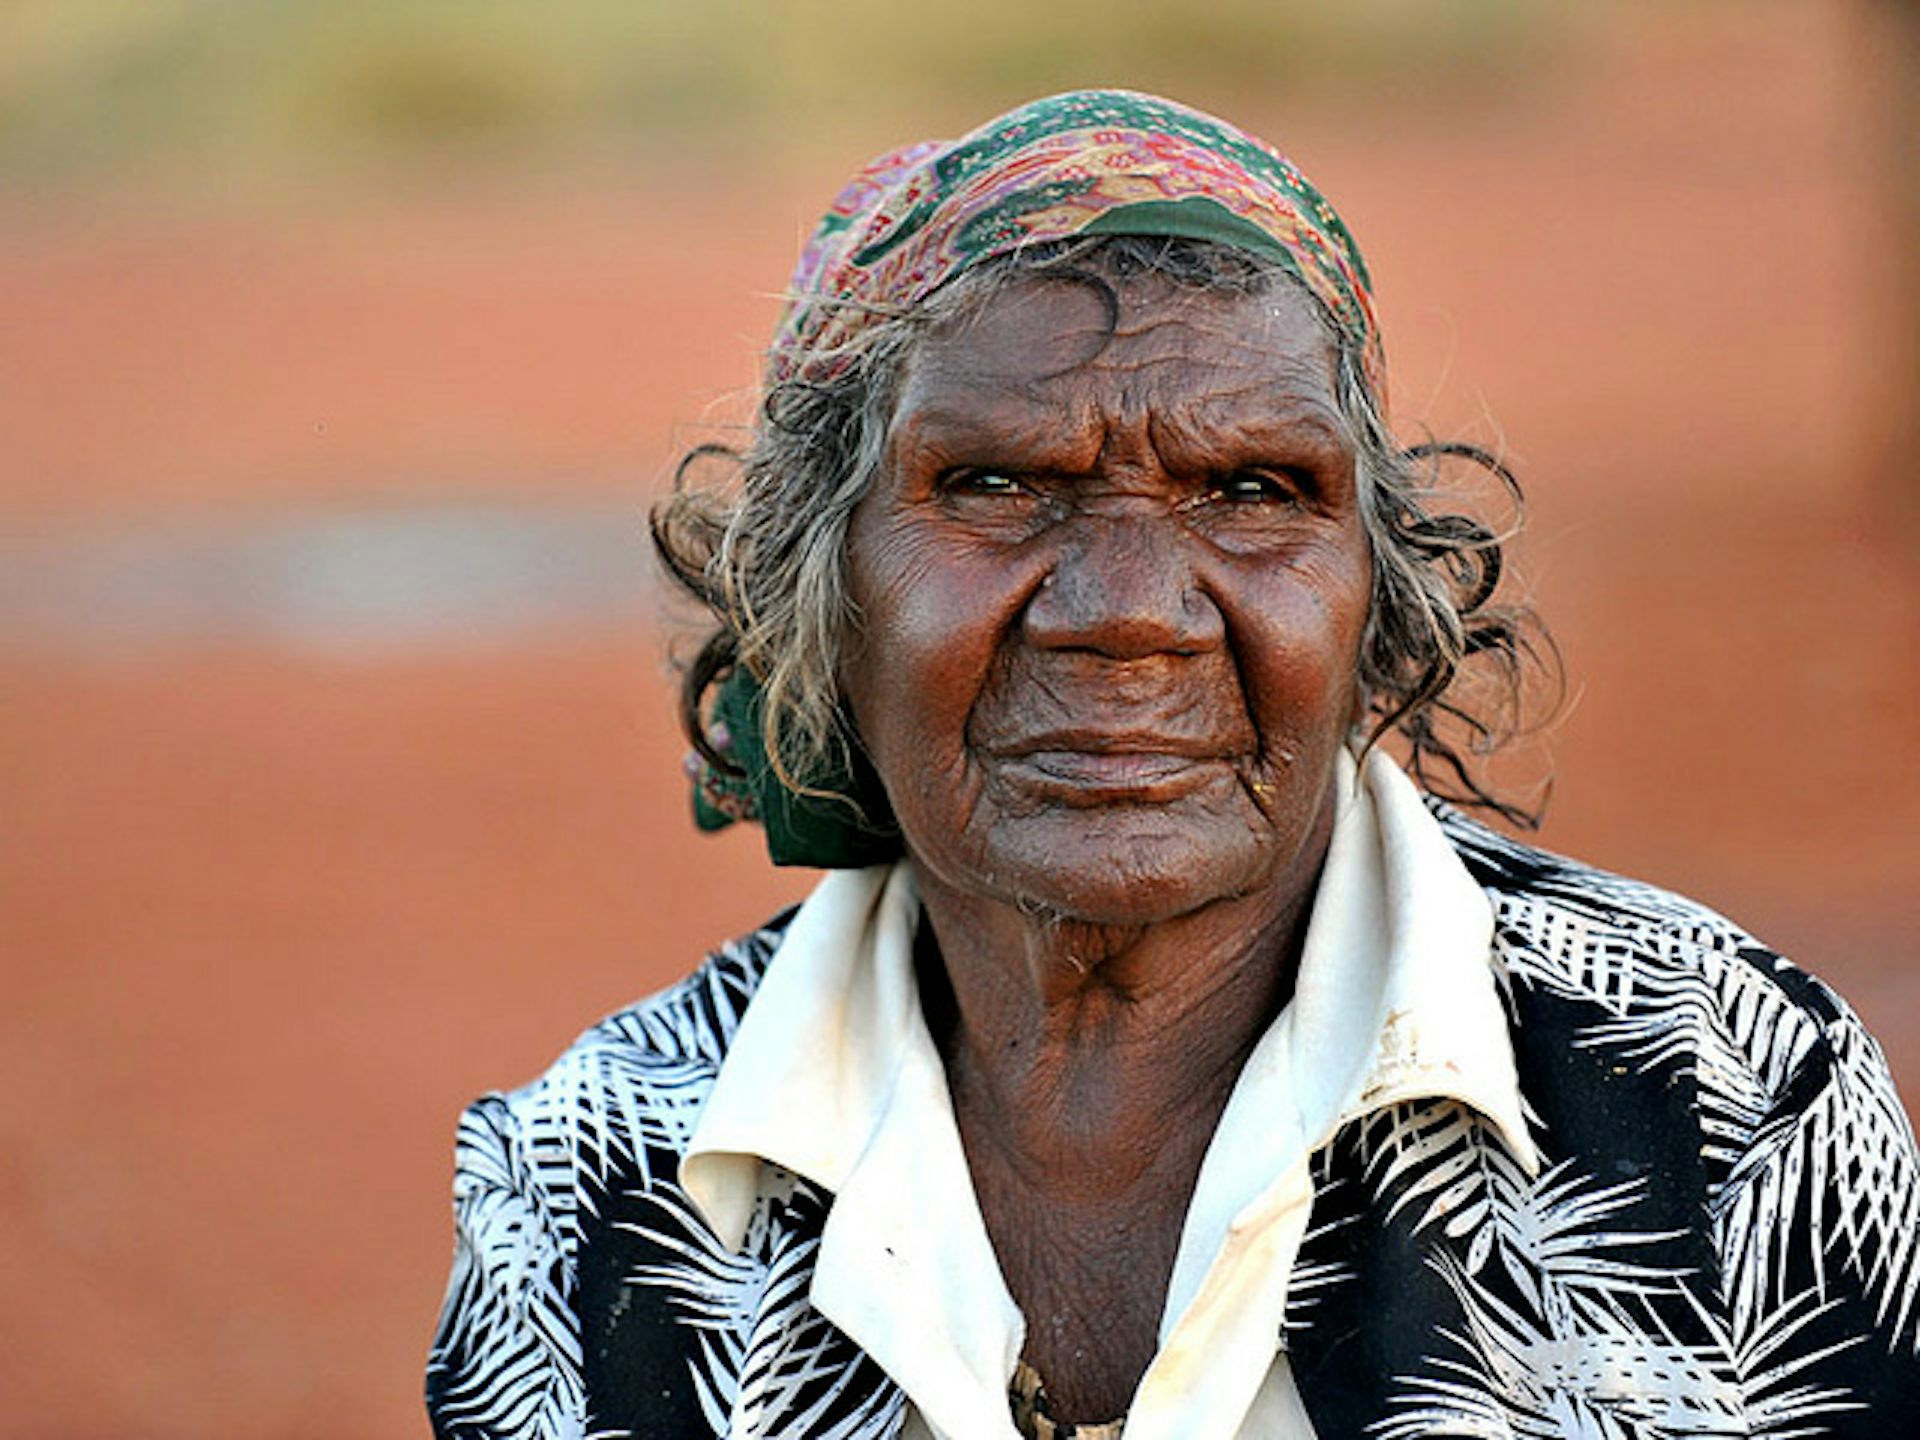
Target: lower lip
1091,778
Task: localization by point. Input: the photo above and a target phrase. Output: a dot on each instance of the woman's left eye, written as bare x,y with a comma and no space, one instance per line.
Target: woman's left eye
1256,487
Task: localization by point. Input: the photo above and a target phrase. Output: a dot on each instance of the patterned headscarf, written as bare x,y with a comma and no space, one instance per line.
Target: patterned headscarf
1090,162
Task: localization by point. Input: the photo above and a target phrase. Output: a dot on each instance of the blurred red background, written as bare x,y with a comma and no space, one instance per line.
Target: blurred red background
336,753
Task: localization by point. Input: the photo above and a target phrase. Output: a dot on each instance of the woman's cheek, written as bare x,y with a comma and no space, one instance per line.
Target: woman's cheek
1299,655
942,610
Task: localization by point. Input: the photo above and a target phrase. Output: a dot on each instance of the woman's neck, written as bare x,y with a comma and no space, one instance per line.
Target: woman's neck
1084,1053
1089,1066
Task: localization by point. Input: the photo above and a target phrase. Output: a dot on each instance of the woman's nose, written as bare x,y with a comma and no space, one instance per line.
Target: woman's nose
1122,585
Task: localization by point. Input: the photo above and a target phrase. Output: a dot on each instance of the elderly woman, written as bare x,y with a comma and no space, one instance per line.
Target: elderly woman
1155,1055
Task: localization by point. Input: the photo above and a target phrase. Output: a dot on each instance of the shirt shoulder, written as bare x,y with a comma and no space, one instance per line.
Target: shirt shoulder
1786,1087
691,1022
1728,1201
537,1172
616,1108
628,1091
1621,944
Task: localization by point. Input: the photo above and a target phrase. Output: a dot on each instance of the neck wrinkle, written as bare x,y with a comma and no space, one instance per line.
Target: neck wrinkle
1093,1084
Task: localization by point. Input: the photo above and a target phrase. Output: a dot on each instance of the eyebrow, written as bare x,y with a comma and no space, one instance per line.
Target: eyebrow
1040,434
1024,426
1310,424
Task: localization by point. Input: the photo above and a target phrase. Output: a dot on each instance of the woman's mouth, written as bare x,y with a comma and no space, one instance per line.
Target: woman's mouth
1103,770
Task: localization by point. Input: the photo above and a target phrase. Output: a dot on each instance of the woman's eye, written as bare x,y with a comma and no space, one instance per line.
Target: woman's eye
984,482
1256,487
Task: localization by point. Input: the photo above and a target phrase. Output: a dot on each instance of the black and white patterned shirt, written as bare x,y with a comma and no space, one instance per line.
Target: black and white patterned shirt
1706,1224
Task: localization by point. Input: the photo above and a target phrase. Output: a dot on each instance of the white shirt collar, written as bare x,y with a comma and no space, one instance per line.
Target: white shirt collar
818,1051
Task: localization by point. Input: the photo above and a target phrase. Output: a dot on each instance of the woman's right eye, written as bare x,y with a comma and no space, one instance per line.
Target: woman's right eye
983,482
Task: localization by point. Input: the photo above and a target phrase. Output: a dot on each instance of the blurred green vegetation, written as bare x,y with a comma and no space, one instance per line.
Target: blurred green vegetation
107,89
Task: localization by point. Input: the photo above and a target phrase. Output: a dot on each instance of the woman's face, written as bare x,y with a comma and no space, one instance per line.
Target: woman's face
1113,582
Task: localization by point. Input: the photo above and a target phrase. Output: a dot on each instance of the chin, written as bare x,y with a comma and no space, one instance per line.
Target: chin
1143,875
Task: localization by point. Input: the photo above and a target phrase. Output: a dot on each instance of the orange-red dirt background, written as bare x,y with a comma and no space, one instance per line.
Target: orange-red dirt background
271,913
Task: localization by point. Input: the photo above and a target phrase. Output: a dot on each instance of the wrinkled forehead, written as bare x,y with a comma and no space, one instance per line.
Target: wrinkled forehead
1044,357
1027,329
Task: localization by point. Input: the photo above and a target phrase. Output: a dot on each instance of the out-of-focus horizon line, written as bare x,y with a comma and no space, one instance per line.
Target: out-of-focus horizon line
358,580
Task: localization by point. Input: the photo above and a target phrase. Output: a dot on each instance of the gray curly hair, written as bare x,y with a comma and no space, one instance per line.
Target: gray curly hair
764,547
